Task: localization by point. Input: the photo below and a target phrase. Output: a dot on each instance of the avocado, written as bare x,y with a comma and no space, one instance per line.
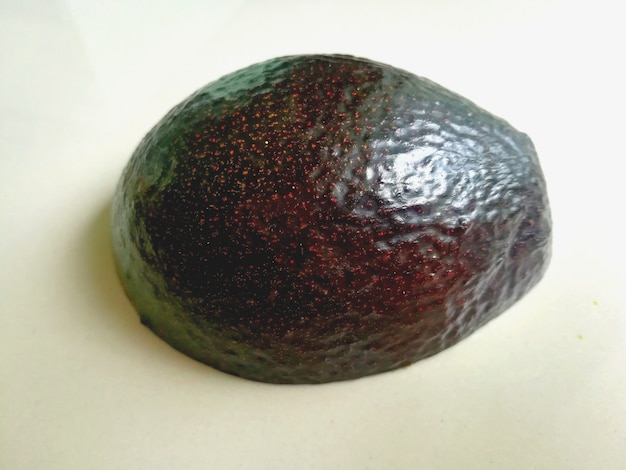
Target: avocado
318,218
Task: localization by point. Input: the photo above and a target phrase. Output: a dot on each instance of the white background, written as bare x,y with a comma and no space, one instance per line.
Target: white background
84,386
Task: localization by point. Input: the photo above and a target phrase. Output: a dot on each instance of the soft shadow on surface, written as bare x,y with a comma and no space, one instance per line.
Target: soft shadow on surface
101,267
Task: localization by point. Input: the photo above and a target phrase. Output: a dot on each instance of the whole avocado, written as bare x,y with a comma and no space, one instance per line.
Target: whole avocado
318,218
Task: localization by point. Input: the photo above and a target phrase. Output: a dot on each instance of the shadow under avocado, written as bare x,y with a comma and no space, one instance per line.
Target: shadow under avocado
98,254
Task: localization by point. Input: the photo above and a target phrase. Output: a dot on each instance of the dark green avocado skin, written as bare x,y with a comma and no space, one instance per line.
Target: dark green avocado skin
315,218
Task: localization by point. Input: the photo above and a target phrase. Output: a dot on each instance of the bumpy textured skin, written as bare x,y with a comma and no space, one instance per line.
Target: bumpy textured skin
320,218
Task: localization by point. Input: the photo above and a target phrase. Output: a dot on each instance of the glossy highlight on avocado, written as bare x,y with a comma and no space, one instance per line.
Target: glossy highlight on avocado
318,218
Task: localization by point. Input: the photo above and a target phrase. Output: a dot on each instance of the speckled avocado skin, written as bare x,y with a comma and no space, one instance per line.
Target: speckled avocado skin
315,218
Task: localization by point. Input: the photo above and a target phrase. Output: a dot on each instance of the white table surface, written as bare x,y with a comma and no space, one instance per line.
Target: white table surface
84,386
